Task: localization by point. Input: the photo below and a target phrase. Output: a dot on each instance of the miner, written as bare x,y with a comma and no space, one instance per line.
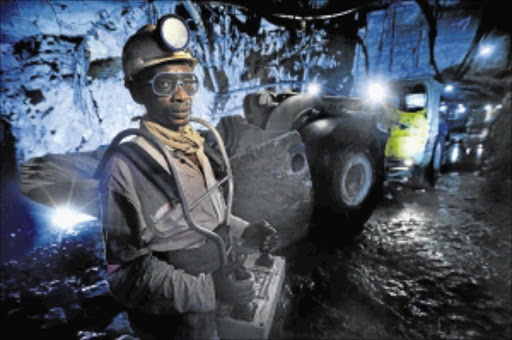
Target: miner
167,274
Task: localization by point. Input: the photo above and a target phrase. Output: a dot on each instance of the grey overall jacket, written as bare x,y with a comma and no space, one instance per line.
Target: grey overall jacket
139,222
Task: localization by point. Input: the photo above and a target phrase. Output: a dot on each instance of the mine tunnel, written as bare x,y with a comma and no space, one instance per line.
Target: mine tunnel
374,137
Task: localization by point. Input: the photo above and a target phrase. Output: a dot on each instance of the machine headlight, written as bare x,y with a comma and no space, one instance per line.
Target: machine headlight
479,151
486,50
454,154
377,92
408,162
314,88
449,88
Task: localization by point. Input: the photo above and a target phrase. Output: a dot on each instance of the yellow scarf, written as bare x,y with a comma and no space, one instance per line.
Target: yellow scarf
188,141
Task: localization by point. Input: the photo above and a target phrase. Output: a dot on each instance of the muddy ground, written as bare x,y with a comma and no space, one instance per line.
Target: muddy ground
429,264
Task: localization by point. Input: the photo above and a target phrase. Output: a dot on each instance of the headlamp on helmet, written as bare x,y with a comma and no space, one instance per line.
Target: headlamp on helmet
153,45
174,32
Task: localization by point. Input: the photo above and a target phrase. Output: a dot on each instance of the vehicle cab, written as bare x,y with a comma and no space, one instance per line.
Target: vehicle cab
413,151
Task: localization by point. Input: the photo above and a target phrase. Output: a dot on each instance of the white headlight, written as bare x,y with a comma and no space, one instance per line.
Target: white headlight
449,88
408,162
314,88
376,92
486,50
65,218
461,108
454,154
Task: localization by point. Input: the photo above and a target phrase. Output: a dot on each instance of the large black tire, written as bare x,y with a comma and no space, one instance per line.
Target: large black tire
355,186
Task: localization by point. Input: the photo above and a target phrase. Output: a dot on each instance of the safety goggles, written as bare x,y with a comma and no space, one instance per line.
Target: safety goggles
166,83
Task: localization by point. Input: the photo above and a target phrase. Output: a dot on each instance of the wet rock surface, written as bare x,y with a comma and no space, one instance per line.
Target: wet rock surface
427,265
58,290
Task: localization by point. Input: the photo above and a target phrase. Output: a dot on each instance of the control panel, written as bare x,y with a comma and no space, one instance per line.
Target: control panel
253,321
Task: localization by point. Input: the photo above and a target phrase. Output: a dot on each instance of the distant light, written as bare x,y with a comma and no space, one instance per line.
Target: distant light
461,108
490,114
454,154
448,88
314,88
479,151
408,162
486,50
321,124
499,106
443,108
376,92
65,218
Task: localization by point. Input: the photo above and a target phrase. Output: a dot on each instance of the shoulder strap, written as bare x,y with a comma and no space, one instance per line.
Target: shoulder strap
216,160
151,169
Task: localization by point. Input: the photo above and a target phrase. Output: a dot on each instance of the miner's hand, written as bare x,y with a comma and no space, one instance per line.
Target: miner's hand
233,292
260,235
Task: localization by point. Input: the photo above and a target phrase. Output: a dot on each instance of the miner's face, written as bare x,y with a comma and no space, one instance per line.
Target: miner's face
168,99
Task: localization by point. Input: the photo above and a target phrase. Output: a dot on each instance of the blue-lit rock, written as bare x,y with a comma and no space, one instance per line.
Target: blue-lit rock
98,289
88,335
93,275
55,317
119,326
64,90
61,296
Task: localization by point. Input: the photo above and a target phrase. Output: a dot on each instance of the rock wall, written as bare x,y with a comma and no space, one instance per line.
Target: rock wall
61,80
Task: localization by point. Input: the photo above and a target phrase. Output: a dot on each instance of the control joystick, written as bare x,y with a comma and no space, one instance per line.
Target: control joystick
265,259
244,311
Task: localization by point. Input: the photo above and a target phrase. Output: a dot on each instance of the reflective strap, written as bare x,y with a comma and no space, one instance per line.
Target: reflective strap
112,267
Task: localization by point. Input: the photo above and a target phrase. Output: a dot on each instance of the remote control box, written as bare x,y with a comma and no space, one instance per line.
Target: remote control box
253,321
